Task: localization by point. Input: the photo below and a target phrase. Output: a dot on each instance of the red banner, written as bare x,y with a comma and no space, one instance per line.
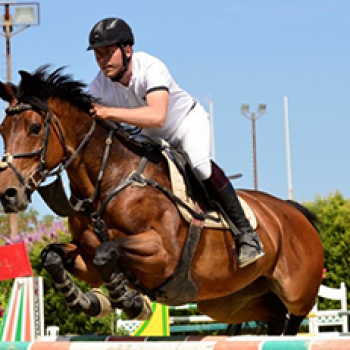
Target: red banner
14,261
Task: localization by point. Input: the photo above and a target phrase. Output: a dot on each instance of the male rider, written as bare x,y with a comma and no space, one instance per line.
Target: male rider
136,88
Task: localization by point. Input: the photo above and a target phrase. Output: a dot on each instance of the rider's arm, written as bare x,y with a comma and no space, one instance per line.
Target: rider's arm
152,115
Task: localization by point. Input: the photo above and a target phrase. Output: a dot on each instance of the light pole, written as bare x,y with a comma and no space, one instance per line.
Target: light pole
253,117
16,18
289,166
212,141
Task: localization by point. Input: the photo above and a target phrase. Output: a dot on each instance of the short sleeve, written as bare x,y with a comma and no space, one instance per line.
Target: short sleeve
157,76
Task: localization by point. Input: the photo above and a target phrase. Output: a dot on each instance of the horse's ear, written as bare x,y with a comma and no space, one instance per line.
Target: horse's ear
8,93
26,78
28,82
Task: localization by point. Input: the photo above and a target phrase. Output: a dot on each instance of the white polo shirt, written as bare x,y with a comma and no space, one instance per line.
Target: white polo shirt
148,74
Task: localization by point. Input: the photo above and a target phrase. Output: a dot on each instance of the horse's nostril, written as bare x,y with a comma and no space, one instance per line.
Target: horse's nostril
9,197
10,193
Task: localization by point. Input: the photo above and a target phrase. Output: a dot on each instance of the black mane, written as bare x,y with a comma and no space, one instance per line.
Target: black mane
38,87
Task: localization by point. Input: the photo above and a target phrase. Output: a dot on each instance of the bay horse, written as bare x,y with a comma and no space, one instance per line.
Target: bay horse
127,232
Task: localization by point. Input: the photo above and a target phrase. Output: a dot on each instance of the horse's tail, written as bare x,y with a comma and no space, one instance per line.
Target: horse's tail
306,212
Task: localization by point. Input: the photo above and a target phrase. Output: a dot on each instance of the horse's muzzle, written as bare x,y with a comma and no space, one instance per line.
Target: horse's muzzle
14,200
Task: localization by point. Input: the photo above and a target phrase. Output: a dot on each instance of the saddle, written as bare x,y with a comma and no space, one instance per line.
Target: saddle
187,186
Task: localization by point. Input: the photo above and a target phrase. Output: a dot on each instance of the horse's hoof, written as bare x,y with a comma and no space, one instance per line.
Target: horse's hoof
146,312
105,307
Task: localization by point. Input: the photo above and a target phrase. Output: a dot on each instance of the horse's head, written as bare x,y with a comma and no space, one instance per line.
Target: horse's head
33,143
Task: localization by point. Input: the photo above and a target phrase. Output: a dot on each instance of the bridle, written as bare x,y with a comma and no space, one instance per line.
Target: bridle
41,173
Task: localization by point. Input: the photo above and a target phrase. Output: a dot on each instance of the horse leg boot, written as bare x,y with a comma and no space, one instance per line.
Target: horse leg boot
219,186
135,305
93,303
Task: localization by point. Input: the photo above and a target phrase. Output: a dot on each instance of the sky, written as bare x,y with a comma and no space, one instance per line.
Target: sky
229,52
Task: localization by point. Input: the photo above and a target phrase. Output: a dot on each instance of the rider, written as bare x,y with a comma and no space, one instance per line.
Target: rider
136,88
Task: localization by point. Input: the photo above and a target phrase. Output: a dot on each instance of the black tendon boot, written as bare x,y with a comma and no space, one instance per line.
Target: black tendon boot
221,189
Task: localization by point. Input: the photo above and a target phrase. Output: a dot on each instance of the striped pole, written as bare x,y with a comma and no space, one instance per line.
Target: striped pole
206,343
24,316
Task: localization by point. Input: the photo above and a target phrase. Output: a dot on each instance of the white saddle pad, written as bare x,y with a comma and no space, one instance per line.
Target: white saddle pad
179,189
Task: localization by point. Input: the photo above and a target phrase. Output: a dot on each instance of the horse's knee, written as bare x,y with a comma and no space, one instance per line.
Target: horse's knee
60,256
106,258
52,261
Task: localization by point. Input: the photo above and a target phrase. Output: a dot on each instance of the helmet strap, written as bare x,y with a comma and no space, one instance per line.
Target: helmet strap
126,61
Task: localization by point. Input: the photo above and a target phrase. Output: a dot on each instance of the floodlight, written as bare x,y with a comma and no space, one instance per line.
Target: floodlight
262,108
25,15
245,108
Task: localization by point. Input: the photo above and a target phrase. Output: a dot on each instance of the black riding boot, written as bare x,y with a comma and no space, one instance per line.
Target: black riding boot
219,186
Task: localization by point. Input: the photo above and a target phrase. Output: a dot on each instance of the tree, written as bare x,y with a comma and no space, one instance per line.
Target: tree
333,213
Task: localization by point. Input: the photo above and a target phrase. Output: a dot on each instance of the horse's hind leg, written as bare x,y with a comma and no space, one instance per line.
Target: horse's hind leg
253,303
293,324
55,257
269,309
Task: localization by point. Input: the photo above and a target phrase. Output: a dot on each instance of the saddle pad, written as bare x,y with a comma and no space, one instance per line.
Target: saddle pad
179,190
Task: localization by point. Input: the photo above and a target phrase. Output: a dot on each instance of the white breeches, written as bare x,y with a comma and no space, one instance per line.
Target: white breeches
194,136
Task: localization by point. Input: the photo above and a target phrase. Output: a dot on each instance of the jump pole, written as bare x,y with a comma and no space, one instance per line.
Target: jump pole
207,343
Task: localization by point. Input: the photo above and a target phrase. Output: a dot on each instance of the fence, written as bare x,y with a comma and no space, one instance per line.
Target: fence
319,319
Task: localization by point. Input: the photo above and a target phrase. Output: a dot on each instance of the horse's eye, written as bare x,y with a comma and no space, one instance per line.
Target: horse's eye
35,129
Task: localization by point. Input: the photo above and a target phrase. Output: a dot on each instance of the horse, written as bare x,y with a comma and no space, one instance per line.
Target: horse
127,231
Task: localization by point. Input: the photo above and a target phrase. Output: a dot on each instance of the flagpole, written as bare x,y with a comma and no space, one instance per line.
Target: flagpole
212,142
289,166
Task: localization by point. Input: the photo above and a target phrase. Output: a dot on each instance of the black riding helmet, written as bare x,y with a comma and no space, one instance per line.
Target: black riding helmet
112,31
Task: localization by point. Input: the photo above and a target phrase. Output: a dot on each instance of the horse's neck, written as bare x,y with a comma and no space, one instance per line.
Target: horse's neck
84,171
75,123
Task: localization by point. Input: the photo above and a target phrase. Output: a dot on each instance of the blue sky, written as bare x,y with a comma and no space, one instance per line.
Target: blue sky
230,52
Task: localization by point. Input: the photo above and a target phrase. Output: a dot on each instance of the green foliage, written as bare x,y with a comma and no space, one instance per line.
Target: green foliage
333,213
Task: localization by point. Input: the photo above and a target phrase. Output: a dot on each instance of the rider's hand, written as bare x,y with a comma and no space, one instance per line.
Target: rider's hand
99,111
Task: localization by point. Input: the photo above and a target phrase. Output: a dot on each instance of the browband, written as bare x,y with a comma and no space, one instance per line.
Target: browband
18,108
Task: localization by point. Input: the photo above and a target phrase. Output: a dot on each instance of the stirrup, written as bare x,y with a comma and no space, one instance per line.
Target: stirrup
253,249
250,260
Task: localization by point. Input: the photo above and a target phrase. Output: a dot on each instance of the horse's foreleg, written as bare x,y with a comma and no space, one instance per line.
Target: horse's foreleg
115,259
57,257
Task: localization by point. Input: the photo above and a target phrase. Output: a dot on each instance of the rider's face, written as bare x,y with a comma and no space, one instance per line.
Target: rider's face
109,59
